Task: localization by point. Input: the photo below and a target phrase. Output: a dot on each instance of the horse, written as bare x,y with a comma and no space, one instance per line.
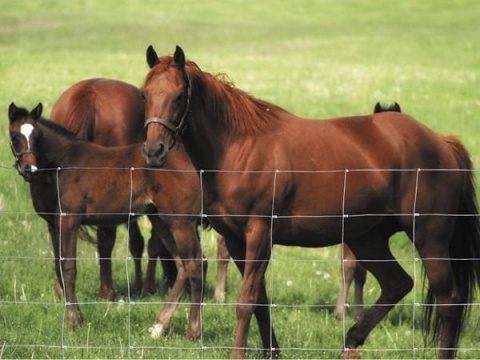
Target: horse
98,185
270,178
111,113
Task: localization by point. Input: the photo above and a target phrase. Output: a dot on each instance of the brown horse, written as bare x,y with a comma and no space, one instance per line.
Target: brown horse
111,113
98,185
270,177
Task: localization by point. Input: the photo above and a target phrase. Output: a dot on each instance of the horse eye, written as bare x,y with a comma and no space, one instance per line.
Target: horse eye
14,136
179,98
143,96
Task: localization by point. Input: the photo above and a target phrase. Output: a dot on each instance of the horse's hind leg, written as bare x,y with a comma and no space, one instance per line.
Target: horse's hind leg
360,278
157,250
350,270
442,285
373,249
105,242
223,256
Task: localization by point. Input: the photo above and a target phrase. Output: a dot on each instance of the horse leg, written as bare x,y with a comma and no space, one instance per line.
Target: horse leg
196,266
149,283
373,249
136,245
68,271
360,277
168,264
158,250
347,270
54,238
164,318
253,296
105,241
223,256
442,285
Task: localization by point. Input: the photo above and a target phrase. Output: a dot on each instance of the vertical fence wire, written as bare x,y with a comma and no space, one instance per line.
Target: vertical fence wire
130,218
60,258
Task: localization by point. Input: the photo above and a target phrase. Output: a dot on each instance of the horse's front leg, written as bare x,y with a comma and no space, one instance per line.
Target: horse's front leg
162,233
68,226
54,238
253,297
105,242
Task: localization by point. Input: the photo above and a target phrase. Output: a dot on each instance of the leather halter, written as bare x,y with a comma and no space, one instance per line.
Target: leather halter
18,155
180,128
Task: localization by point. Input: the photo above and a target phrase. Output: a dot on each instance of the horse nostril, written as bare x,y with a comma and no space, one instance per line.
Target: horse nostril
160,150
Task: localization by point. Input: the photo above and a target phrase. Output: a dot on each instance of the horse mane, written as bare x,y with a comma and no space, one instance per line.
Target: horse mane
58,129
240,111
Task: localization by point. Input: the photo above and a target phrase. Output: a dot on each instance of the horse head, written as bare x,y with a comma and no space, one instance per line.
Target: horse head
167,92
23,132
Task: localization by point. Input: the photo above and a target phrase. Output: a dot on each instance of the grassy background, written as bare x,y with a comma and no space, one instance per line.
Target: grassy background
315,58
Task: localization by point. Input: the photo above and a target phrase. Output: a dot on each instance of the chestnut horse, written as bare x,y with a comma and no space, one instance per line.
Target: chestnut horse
111,113
270,177
98,185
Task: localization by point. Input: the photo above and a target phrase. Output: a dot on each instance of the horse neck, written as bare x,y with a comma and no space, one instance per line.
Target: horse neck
54,149
205,148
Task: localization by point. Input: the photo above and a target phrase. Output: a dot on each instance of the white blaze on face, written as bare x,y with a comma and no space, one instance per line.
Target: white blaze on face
27,130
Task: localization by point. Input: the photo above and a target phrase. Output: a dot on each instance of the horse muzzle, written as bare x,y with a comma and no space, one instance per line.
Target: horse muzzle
27,172
155,153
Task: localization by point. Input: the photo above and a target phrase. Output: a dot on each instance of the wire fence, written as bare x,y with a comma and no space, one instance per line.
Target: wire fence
34,320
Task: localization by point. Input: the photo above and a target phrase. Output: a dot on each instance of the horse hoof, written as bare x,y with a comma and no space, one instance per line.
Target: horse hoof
156,331
107,295
350,354
219,297
58,290
72,320
193,334
272,354
148,290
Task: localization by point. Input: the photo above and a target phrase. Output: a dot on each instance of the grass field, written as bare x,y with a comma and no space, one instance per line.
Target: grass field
315,58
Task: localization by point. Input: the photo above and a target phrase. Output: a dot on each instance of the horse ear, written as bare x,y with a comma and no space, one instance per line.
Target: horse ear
179,57
37,111
397,107
152,57
12,110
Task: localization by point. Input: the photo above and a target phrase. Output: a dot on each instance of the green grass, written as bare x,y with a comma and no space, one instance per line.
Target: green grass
315,58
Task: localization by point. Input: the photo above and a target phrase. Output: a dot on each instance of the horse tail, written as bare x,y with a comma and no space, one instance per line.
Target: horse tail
79,111
464,245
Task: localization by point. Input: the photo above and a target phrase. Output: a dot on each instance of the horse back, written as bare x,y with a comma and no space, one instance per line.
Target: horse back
109,112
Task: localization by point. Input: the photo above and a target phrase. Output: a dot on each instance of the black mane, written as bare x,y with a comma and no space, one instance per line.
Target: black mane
58,129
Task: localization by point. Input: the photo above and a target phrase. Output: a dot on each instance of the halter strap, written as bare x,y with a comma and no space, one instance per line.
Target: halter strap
163,122
18,154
